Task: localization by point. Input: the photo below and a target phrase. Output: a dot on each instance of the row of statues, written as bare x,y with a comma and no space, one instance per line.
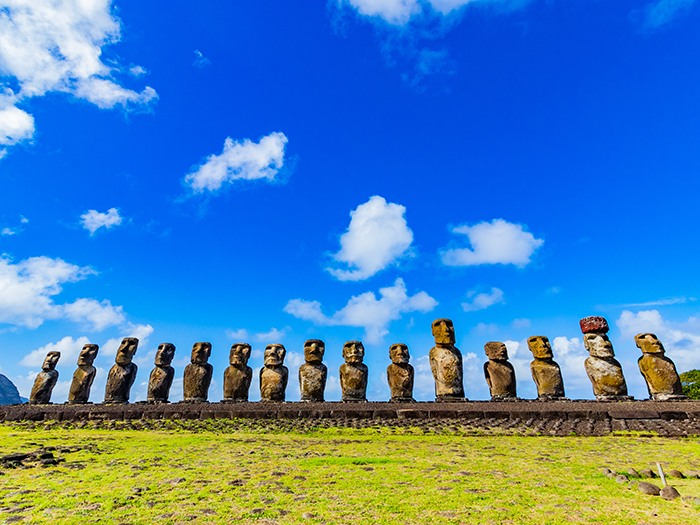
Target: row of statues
604,371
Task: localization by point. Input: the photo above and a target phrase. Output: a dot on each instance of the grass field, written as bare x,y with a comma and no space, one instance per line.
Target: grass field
354,476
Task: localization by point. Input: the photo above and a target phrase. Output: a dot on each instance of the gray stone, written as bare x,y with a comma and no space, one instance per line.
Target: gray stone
621,478
632,473
648,488
669,493
647,473
673,473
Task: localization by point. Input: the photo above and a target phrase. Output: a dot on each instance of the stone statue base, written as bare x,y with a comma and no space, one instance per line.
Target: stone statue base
450,399
669,397
76,402
552,398
504,398
32,402
194,399
312,400
272,401
402,400
353,400
155,401
608,399
231,401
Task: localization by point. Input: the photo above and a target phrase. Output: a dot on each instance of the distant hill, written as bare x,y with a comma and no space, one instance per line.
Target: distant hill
9,395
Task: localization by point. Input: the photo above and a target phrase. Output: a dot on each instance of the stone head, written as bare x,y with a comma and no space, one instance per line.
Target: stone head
165,354
87,355
239,355
200,353
274,355
649,344
51,361
398,353
598,344
540,347
496,350
353,352
126,351
314,350
443,332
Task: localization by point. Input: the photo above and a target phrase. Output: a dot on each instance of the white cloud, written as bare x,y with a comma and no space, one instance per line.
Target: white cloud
240,334
139,331
662,12
274,335
378,236
8,231
69,348
201,61
93,220
483,300
27,289
366,311
244,160
55,45
137,71
495,242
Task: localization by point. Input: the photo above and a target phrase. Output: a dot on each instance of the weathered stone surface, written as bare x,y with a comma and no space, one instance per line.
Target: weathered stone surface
621,478
238,376
45,380
446,362
658,370
594,324
545,371
161,378
198,374
648,488
274,375
84,376
500,374
123,374
353,373
313,373
647,473
400,374
631,472
669,493
673,473
604,371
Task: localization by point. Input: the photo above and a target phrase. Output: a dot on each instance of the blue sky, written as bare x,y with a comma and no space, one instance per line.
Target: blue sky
272,172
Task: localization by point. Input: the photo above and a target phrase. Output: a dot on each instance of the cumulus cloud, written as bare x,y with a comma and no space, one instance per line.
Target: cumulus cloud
483,300
93,220
272,336
495,242
244,160
378,236
55,45
69,348
27,289
366,311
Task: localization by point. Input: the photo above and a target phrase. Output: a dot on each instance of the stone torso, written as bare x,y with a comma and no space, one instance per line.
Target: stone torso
547,376
196,381
237,383
82,381
353,381
159,383
119,383
500,376
312,381
660,374
43,386
606,376
273,383
446,365
400,378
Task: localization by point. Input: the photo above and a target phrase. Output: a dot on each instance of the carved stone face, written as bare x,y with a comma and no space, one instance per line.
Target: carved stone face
540,347
598,345
274,355
165,354
496,350
444,332
313,351
398,354
200,353
51,361
649,344
353,352
87,355
239,355
126,351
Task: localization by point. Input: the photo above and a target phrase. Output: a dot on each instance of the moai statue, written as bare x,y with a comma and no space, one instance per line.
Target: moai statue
45,380
604,371
198,373
545,372
237,377
658,370
313,373
353,373
399,374
123,373
446,363
274,375
161,378
500,374
84,376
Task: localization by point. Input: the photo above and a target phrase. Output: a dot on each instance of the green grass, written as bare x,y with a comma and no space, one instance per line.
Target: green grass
382,476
